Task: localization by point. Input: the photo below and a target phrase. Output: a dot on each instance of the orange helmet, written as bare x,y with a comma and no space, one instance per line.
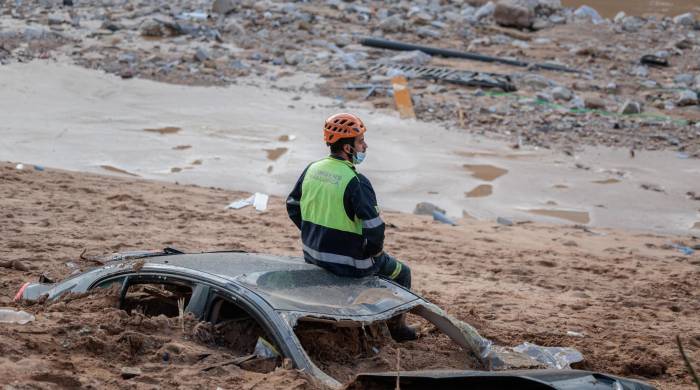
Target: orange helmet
342,125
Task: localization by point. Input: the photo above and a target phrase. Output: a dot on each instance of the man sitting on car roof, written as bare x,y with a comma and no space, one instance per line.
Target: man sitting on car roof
335,208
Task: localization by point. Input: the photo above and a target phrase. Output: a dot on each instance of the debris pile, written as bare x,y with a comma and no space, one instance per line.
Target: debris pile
637,87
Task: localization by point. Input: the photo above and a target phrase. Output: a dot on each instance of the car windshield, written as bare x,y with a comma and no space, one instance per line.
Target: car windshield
317,291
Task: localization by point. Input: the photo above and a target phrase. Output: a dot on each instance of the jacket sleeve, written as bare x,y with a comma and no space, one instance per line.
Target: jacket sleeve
293,201
361,201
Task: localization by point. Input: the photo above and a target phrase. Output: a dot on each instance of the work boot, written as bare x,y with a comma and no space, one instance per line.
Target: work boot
400,330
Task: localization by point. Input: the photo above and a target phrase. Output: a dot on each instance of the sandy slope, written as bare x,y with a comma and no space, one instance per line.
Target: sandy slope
629,293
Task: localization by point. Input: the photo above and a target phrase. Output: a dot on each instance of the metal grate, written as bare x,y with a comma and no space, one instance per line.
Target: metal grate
461,77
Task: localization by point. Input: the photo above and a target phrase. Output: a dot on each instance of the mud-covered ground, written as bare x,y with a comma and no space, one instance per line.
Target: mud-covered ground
628,293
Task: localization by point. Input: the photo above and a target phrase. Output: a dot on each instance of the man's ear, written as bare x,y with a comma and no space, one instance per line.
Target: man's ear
347,149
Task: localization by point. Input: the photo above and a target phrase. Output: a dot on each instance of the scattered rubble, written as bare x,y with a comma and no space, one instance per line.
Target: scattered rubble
220,42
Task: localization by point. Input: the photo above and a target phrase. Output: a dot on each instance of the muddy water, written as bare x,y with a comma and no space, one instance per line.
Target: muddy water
485,172
607,181
276,153
164,130
480,191
610,8
96,123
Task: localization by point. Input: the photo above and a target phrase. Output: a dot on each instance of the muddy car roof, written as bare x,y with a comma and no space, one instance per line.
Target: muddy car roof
288,283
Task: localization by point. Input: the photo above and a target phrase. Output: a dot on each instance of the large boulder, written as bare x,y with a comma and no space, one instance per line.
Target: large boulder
514,13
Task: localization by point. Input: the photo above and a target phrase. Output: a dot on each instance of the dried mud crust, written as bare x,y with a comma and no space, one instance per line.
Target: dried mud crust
342,352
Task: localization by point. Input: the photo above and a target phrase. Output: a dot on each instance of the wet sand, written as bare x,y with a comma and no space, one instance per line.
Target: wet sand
628,293
100,121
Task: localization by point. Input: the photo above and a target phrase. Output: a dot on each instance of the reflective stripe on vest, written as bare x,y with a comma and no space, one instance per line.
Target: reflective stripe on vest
338,259
322,195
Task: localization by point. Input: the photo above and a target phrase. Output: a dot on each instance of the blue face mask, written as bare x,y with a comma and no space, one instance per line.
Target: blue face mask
358,157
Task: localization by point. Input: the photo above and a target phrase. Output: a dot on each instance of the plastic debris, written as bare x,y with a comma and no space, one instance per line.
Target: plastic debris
10,316
19,166
554,357
575,334
38,168
258,200
402,97
265,350
684,249
441,217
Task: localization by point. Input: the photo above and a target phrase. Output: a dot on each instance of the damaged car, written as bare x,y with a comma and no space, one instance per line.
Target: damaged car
295,314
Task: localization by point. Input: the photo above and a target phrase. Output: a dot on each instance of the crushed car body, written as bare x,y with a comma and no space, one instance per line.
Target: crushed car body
279,293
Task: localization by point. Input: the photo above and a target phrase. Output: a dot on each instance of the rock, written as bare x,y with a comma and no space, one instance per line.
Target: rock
536,81
111,26
663,54
233,27
485,11
561,93
687,98
557,19
237,64
427,32
391,24
541,24
152,28
293,57
612,88
594,103
547,7
619,17
58,18
223,7
631,107
201,54
427,208
686,19
414,58
130,372
543,96
684,44
585,12
684,79
640,71
68,3
578,103
513,13
343,40
632,23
